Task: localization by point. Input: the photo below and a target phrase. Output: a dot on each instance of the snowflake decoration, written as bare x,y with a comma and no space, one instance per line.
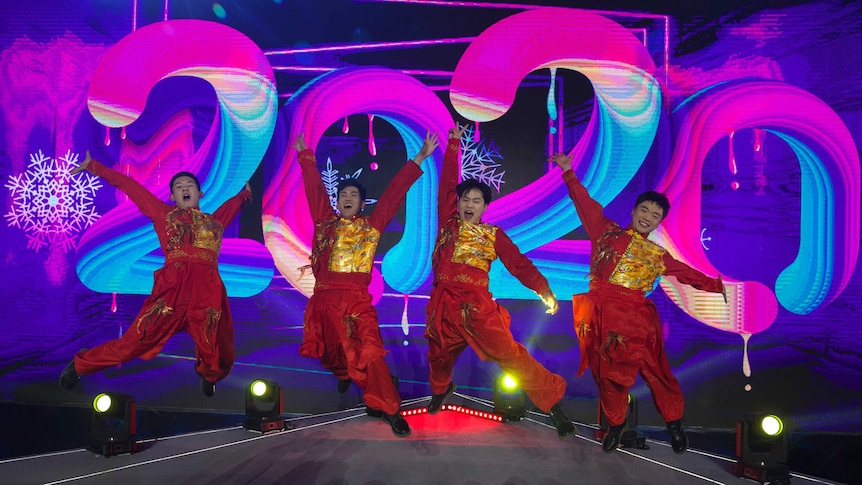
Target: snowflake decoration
50,206
477,161
330,181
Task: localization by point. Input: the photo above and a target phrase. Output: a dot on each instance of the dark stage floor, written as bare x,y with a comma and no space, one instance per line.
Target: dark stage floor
347,447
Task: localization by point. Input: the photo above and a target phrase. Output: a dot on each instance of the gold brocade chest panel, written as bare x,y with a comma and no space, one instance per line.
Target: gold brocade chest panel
475,245
355,244
639,265
193,227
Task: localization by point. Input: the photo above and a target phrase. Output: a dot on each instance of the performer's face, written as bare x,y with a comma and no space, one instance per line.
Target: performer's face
647,216
185,192
350,202
471,206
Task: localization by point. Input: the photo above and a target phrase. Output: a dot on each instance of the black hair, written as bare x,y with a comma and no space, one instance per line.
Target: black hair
470,184
184,174
656,197
351,182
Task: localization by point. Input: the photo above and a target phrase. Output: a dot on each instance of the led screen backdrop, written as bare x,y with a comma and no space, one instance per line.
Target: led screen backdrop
749,119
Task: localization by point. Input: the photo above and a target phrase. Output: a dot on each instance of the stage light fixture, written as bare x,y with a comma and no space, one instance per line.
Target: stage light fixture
510,401
113,425
263,406
761,449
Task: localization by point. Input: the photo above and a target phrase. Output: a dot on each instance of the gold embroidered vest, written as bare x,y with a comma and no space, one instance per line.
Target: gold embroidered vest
475,245
640,265
195,227
355,244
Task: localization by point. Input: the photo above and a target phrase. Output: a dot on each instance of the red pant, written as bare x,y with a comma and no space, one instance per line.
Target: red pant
341,330
459,316
186,297
621,338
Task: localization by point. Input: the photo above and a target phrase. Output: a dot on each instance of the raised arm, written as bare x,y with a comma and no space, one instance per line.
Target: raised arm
149,205
318,200
591,212
522,268
226,213
393,197
447,197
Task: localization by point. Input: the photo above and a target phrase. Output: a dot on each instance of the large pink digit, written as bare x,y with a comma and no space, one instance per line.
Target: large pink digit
114,255
620,132
829,229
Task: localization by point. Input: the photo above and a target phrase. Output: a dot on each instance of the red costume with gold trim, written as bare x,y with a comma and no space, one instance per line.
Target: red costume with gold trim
617,325
188,293
462,311
340,323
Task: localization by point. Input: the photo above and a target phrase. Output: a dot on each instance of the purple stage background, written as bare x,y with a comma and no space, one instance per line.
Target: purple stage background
761,208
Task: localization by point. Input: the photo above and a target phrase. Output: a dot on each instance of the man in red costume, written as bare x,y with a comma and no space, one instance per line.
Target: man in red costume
462,311
617,325
340,323
188,294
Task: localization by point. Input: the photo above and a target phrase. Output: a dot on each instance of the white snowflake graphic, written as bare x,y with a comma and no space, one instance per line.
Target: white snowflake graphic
49,205
330,181
477,161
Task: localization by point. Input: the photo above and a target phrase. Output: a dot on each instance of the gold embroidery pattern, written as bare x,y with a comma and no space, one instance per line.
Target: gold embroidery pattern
614,340
191,226
475,245
151,316
323,235
444,236
467,310
350,322
355,244
463,278
640,265
605,254
583,328
213,317
179,253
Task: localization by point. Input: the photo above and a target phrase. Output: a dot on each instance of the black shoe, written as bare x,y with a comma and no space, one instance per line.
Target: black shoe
69,377
207,387
344,385
614,436
398,424
374,413
438,399
678,439
561,422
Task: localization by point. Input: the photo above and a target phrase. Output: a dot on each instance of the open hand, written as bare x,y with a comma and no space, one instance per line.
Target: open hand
428,147
562,160
457,132
551,302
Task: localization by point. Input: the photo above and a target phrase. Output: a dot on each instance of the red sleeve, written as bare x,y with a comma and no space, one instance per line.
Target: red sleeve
447,196
591,212
519,265
227,211
149,205
315,192
393,197
690,276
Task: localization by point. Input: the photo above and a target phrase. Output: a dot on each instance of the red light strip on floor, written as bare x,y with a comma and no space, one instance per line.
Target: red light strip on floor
459,409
